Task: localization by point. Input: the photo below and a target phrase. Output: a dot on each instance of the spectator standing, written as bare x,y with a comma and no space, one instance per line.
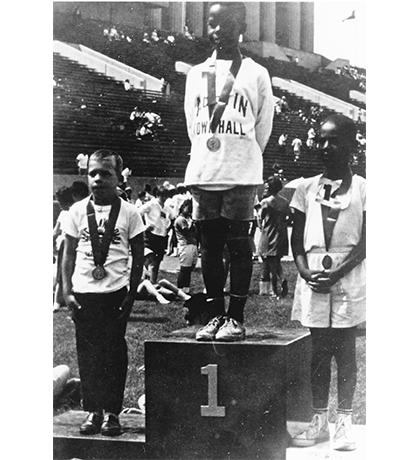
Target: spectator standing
126,173
329,247
273,245
282,143
82,161
229,115
297,145
186,234
65,199
310,141
101,233
157,215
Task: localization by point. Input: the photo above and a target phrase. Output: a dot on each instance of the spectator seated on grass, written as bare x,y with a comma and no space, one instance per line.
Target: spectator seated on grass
163,291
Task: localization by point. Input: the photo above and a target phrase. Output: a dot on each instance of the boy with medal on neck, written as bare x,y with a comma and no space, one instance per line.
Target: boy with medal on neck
229,110
329,248
103,234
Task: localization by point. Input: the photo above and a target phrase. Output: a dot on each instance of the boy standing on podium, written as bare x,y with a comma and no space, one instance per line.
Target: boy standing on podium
329,247
229,110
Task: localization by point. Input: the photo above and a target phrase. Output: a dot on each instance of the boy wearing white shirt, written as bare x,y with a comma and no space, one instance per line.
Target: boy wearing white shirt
229,109
99,288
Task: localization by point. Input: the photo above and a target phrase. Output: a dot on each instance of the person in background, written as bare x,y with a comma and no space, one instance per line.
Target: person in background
157,216
65,199
297,145
82,160
186,233
273,245
163,291
79,190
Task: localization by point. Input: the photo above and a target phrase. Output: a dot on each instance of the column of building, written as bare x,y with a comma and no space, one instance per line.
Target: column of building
307,28
195,18
253,20
268,22
177,16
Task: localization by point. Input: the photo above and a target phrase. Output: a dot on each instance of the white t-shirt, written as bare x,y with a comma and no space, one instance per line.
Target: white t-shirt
297,144
129,224
156,216
82,160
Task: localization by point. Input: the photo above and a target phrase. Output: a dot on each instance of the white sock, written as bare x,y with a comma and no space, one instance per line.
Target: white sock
161,299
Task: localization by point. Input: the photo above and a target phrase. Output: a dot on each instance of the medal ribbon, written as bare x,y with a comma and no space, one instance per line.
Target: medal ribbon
330,215
216,109
100,248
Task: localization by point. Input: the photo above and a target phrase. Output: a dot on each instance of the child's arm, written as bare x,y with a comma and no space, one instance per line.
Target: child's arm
299,254
137,252
68,264
354,258
56,233
264,121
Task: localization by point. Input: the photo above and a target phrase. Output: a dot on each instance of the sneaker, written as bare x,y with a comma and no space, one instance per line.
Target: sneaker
231,331
343,436
208,332
317,431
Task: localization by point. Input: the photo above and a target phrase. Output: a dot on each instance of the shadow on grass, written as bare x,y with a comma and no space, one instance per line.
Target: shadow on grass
156,319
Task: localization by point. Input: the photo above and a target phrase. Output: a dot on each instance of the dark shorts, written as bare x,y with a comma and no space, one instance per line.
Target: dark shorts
235,204
157,244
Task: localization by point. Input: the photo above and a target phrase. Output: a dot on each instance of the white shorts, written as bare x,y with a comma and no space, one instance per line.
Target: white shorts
188,255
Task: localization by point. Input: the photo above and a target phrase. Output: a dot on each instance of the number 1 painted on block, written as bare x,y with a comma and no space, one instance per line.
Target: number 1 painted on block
212,410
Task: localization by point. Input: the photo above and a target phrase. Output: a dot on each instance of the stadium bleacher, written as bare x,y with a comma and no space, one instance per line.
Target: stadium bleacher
92,111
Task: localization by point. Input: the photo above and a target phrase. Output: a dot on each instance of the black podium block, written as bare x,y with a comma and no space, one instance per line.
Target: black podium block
209,400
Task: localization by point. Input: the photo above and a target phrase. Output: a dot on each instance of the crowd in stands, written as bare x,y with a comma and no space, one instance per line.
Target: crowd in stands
356,74
149,123
170,47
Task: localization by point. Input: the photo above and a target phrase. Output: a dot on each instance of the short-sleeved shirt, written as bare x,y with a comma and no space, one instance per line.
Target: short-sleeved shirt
345,305
129,224
82,160
157,216
297,144
273,214
186,232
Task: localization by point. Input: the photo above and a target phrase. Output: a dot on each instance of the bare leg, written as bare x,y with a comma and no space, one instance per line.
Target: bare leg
178,292
146,285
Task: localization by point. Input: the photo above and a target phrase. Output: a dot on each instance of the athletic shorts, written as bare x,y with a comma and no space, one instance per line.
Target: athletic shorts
188,255
235,204
156,244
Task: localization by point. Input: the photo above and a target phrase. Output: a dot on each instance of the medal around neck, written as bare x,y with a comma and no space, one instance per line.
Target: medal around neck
213,143
327,262
99,273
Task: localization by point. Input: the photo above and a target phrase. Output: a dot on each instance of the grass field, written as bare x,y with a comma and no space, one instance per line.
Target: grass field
150,320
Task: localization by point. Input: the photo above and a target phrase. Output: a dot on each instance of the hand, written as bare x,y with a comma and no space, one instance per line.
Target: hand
126,306
321,282
72,303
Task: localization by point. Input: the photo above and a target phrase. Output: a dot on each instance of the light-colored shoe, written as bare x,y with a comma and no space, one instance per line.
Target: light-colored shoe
231,331
343,437
317,431
208,332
